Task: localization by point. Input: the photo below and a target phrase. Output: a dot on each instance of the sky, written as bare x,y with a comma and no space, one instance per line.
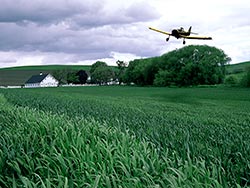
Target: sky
81,32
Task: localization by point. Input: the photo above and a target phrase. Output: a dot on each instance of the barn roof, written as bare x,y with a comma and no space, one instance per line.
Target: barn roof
36,79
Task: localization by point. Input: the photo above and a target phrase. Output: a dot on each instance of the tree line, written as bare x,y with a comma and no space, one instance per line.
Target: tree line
68,76
190,65
99,73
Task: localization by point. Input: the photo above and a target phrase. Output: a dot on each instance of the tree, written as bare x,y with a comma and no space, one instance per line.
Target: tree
163,78
101,73
190,65
121,70
199,65
82,76
151,69
142,71
134,73
61,75
96,65
231,80
72,77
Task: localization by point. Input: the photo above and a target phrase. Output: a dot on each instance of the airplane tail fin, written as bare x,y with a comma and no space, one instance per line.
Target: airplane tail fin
189,31
190,28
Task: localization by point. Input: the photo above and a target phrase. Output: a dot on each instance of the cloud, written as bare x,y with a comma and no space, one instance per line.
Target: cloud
85,35
114,14
43,11
76,12
83,31
29,37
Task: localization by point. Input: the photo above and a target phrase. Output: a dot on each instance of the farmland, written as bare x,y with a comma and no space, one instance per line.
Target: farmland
17,76
125,137
237,68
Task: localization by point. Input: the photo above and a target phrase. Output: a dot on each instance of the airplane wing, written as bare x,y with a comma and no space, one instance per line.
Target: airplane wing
196,37
160,31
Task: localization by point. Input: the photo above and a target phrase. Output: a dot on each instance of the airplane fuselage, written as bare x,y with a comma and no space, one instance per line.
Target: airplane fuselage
177,33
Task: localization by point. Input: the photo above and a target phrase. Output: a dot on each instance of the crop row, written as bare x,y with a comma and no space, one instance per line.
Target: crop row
213,131
40,149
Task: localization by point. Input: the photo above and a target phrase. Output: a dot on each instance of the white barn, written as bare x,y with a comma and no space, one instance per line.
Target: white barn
41,80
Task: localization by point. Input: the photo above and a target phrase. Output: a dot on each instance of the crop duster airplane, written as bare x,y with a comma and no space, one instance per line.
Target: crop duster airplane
181,33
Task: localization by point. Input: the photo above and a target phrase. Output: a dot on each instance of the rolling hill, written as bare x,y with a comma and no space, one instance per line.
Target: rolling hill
237,68
48,67
17,76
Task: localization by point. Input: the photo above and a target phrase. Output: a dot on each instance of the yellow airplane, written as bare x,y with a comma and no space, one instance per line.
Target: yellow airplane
181,33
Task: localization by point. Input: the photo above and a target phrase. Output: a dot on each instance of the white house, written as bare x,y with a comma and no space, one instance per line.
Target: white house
41,80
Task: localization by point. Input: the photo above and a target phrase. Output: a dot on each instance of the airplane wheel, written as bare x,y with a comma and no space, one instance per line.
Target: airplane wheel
167,39
184,42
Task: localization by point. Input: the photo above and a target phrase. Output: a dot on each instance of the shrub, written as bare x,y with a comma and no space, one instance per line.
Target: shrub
245,81
162,78
231,80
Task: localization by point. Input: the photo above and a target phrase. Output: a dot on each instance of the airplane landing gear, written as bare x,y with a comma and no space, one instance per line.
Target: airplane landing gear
167,39
184,42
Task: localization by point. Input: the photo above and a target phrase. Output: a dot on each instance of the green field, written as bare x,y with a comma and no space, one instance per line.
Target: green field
48,67
17,76
125,137
237,68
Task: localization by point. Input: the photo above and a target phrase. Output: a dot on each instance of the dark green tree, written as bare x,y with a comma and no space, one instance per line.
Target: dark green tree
199,65
163,78
61,75
190,65
101,73
82,76
231,80
130,76
96,65
142,71
72,77
135,71
121,70
150,70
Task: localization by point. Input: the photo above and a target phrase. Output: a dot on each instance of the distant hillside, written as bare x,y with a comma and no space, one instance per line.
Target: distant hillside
49,67
17,76
237,68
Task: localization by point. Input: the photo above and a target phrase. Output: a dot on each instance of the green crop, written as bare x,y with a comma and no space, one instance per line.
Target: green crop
125,136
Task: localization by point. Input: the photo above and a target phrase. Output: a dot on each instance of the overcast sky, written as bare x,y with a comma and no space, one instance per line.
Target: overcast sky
42,32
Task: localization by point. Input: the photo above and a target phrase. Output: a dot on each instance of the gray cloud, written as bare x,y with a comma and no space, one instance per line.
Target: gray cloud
43,11
85,12
134,13
85,30
68,31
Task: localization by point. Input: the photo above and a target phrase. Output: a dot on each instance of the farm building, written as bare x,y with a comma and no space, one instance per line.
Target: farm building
41,80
